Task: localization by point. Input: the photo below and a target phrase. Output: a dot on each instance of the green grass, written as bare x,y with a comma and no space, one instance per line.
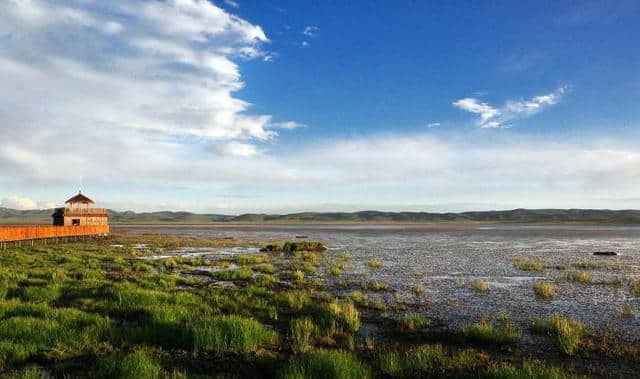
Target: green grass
248,259
569,333
412,323
487,332
137,364
26,373
335,317
325,365
544,290
28,330
230,333
302,334
242,273
87,309
426,361
527,371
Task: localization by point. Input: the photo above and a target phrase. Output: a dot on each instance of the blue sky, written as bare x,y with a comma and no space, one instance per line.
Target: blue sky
255,106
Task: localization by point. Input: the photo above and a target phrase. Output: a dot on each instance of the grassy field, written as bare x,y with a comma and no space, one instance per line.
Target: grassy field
97,309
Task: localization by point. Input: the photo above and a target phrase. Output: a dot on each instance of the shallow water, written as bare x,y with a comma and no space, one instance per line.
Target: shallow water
445,259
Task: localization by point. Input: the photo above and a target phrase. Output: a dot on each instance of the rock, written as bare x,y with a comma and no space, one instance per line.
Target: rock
605,253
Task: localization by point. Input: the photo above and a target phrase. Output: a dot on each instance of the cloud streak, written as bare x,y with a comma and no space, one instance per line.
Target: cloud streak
494,117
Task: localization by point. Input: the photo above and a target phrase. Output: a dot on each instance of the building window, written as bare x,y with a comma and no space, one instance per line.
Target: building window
75,222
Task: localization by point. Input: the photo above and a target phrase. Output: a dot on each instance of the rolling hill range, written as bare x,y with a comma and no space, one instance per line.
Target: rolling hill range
16,217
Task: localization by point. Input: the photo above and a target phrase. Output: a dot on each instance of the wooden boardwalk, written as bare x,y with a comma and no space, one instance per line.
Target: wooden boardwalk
46,232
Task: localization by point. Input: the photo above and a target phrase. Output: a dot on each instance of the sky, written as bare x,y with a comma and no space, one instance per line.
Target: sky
283,106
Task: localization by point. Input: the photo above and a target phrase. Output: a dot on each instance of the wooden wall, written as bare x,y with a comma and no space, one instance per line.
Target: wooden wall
23,233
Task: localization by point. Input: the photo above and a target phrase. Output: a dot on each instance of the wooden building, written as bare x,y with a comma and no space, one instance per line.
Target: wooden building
80,212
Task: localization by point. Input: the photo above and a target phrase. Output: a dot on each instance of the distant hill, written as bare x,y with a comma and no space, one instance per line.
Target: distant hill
12,216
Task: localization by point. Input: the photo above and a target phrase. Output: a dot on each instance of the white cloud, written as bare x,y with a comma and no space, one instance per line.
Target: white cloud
304,44
136,76
433,125
236,149
231,3
18,202
311,31
492,117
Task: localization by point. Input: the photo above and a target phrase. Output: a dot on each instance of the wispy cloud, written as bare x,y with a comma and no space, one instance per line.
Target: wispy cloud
231,3
288,125
494,117
433,125
311,31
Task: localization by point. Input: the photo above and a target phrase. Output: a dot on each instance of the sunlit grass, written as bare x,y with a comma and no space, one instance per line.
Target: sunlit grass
580,276
375,263
481,286
569,333
325,365
544,290
486,332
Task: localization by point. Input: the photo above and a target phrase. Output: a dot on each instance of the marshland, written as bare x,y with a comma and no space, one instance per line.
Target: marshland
357,301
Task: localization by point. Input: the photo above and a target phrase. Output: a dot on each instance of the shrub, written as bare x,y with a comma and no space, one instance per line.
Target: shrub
229,333
569,332
326,365
581,276
485,332
418,289
544,290
302,333
375,263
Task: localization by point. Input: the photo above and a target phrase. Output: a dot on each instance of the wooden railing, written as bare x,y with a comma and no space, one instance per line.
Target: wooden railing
35,232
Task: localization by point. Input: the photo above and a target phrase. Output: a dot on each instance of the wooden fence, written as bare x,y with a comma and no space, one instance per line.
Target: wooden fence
36,232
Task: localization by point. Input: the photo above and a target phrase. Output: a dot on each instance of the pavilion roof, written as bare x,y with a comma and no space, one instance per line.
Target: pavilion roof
79,198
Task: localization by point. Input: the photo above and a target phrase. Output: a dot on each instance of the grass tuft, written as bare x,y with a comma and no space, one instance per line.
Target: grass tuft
481,286
302,333
544,290
326,364
580,276
569,333
375,263
486,332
